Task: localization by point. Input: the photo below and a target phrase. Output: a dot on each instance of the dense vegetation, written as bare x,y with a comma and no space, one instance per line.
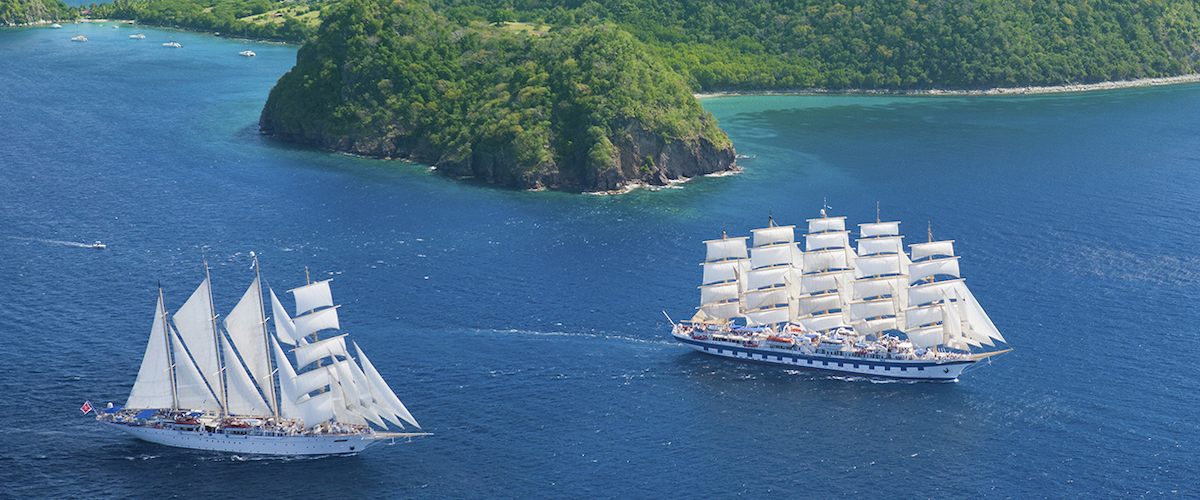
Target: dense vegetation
835,44
259,19
898,44
396,79
17,12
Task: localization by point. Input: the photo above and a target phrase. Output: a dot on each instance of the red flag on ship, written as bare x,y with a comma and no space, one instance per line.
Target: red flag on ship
87,406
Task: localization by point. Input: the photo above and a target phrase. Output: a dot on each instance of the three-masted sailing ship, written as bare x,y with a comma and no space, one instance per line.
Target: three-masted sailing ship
824,305
230,386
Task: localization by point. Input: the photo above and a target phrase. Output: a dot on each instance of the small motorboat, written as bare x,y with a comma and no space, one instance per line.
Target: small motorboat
172,44
139,35
247,53
99,246
79,38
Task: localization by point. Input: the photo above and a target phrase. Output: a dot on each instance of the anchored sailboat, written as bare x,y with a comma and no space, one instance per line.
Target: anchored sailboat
874,311
230,386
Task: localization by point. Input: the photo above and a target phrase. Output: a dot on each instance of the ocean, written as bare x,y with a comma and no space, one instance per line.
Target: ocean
525,330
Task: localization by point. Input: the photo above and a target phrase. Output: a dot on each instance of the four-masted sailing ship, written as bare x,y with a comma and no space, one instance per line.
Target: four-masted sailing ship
229,385
872,311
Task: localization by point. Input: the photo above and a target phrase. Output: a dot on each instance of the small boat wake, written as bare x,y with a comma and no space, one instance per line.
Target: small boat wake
97,245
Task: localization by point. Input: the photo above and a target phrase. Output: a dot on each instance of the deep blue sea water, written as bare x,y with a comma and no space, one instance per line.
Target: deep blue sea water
526,330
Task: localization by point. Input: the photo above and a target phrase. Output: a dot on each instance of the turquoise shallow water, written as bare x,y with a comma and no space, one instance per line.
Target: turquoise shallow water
525,329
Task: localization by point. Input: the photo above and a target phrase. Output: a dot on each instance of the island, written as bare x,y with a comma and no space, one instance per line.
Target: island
585,108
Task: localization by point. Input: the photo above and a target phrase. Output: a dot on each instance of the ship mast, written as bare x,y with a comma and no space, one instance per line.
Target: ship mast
308,281
266,339
217,342
170,361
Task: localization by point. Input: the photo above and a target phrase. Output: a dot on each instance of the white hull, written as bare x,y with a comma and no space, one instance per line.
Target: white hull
841,364
338,444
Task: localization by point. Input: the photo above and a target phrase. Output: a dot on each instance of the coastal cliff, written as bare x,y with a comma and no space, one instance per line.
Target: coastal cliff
585,109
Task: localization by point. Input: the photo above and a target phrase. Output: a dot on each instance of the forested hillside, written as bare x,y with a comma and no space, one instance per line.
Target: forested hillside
796,44
897,44
18,12
586,107
260,19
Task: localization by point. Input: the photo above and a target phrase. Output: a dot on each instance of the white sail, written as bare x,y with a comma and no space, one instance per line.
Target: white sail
918,271
926,337
824,260
768,316
718,293
153,387
194,321
817,303
192,392
341,411
822,241
922,316
772,255
820,282
880,265
822,322
872,309
722,272
884,244
770,277
245,325
977,318
381,387
312,296
349,387
285,328
317,409
874,326
241,397
726,249
879,287
767,298
873,229
774,235
721,310
936,291
366,395
956,333
934,248
961,318
368,412
314,379
317,321
387,414
288,394
825,224
359,399
333,346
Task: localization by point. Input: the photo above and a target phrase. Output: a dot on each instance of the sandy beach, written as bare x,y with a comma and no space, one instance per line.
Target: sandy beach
1075,87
